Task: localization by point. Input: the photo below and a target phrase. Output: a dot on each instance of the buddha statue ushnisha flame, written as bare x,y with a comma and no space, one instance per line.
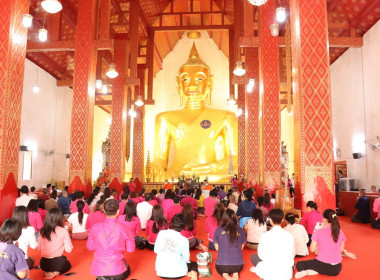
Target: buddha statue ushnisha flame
195,139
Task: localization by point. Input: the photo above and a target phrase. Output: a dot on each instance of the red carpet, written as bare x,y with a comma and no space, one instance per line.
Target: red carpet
361,240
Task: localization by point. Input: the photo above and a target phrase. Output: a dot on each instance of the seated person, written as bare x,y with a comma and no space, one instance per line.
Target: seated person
276,251
78,221
256,227
53,240
173,255
363,206
301,238
13,263
329,241
376,208
156,223
110,240
229,240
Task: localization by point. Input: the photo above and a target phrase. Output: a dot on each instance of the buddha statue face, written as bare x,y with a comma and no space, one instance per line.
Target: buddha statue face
194,81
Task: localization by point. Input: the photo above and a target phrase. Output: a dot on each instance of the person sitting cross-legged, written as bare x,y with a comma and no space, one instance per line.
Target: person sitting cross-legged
276,251
110,240
173,254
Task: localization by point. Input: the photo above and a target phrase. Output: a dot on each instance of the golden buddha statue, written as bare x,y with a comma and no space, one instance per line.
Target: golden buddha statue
204,140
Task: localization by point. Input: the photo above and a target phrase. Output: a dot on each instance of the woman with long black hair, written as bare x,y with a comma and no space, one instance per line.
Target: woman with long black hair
229,240
329,241
156,223
78,222
54,239
27,238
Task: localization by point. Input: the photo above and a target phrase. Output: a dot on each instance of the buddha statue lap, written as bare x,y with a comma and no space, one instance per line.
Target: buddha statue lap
204,139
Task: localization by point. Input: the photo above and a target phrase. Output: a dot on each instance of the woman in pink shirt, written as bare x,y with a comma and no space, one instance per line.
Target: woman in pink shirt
210,203
41,209
191,229
130,219
256,227
267,204
311,218
156,223
134,198
329,241
54,239
34,216
212,223
97,216
167,202
110,240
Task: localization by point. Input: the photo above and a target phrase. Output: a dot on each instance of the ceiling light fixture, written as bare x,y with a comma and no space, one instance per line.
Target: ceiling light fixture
36,88
280,14
257,2
51,6
132,113
27,20
274,29
231,101
112,73
42,34
239,70
239,112
250,85
98,84
104,89
139,102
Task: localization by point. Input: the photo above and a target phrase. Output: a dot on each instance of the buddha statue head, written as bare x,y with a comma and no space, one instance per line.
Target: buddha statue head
194,82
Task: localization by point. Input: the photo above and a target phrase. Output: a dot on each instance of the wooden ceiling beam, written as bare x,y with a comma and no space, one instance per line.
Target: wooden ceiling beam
62,46
191,27
365,12
103,102
57,46
345,42
335,42
64,83
335,25
118,10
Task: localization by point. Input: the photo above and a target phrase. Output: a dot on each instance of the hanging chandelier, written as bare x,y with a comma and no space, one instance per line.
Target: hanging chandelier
112,73
257,2
139,102
51,6
239,70
27,20
42,34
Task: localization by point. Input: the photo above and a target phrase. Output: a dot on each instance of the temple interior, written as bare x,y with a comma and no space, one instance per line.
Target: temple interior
282,93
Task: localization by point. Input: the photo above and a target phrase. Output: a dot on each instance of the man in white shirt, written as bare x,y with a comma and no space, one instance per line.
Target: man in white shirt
24,198
276,251
144,210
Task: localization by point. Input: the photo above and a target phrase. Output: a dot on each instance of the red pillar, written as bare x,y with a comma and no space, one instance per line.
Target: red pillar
313,162
82,121
270,91
252,117
13,36
119,114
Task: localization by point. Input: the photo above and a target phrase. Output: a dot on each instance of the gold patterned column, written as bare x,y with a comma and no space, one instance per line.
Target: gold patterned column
312,104
13,36
119,116
82,120
269,91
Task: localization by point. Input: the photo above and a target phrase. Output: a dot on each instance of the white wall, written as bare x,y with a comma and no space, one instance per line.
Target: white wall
45,126
355,91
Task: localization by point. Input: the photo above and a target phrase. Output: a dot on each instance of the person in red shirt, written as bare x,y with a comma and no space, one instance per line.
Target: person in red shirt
174,209
189,200
210,203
